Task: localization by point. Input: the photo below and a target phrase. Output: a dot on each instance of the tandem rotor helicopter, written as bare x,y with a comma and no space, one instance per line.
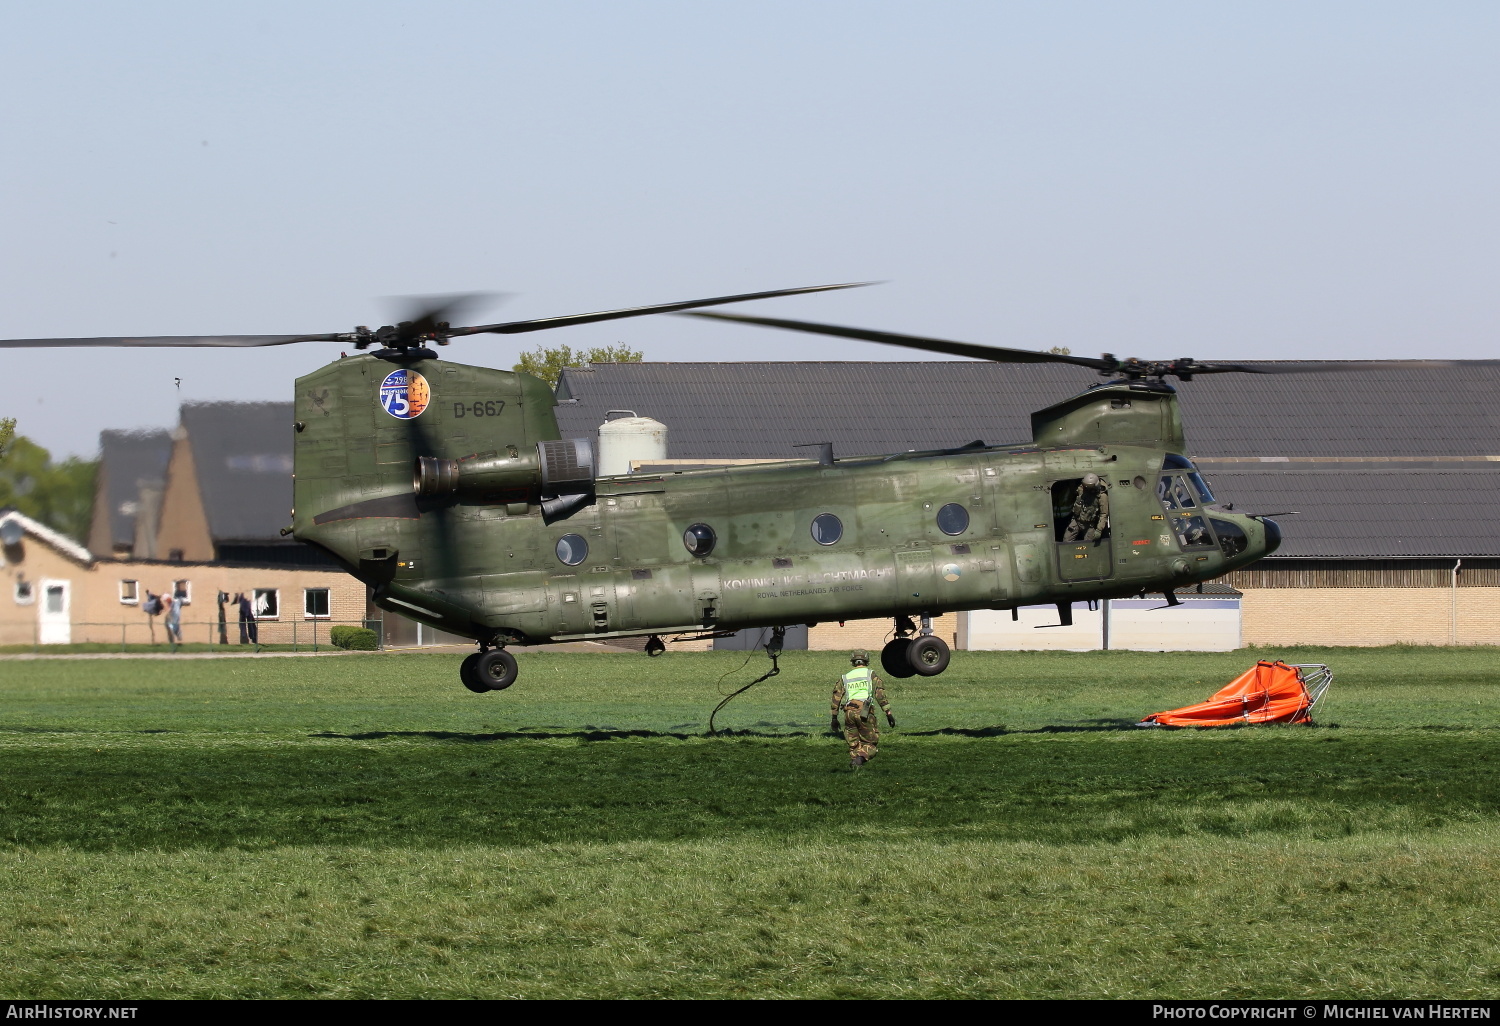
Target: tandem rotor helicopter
448,490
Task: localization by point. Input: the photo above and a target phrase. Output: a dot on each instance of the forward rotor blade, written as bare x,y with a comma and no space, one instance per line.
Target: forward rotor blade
931,345
155,341
1322,366
516,327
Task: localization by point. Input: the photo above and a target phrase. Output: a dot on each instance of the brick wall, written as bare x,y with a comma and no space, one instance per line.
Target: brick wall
1371,616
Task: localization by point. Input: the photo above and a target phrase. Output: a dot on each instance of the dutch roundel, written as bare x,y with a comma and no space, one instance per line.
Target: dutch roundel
404,394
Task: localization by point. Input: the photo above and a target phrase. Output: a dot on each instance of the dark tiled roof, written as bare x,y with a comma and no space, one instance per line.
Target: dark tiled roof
1371,510
719,410
243,455
128,458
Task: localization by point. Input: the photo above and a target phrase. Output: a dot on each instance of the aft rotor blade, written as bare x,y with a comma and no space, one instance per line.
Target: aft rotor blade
424,314
516,327
997,354
157,341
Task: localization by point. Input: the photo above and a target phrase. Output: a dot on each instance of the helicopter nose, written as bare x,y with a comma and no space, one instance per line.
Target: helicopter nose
1273,535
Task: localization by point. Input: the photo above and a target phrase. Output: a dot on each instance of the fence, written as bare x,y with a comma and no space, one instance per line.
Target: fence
300,635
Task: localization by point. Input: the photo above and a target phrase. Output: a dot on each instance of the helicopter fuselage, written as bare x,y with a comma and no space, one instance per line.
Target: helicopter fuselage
500,545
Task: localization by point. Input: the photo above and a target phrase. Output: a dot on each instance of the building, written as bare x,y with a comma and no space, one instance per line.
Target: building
56,592
1393,472
127,493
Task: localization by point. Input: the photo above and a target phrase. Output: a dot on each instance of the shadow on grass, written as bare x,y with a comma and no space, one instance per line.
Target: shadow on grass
1091,789
586,734
611,734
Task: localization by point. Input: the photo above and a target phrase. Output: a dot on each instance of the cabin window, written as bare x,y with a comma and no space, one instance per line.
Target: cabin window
315,603
56,599
266,604
183,592
953,519
1232,539
1192,533
25,593
130,592
827,529
699,539
572,549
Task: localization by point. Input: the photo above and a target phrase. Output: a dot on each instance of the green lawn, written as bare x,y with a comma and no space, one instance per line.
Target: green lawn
363,826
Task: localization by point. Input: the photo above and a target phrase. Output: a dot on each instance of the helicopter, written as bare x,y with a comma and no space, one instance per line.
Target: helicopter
448,490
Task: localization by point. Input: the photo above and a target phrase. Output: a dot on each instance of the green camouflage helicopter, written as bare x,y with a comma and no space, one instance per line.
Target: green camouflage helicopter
448,490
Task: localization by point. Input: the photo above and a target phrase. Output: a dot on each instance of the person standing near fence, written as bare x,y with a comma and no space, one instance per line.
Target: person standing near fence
249,631
171,604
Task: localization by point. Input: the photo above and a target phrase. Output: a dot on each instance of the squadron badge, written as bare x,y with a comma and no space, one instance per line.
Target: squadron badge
404,394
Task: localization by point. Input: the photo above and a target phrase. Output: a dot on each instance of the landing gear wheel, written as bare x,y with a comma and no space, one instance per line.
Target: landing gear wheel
893,658
655,646
928,655
470,678
496,669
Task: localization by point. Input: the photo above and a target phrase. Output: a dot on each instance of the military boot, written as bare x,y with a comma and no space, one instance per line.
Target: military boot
857,761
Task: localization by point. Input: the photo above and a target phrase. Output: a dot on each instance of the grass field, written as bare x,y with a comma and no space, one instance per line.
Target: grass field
362,826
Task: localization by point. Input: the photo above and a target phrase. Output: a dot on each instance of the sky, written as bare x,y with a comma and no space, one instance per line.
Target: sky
1255,180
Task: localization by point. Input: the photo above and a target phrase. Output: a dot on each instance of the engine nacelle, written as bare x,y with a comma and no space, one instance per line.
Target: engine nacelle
555,467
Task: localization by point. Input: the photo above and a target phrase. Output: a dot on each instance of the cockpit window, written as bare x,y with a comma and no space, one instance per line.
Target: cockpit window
1192,533
1164,492
1232,539
1202,486
1176,462
1181,493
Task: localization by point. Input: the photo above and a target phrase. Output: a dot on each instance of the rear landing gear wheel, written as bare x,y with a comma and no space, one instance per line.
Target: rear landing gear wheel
469,677
655,646
928,655
893,658
496,669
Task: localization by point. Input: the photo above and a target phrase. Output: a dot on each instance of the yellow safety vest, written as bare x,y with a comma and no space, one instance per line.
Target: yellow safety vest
858,685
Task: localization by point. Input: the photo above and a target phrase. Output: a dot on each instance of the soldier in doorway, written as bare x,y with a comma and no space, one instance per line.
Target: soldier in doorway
856,695
1090,511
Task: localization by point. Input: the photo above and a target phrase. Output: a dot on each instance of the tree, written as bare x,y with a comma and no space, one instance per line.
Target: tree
60,495
547,362
7,432
1061,351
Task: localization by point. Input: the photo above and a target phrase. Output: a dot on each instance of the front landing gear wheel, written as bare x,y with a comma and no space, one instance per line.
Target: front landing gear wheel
928,655
655,646
893,658
496,669
469,677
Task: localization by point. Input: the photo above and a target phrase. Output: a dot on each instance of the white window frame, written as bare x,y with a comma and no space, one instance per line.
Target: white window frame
29,597
187,591
255,593
306,615
130,596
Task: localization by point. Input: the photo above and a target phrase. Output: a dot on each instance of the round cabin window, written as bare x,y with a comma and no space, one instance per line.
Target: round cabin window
572,549
699,539
827,529
953,519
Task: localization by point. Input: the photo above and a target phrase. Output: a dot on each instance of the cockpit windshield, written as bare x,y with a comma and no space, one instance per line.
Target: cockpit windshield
1174,493
1175,462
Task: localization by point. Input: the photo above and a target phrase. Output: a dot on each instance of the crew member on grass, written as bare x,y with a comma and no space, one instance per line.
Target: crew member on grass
856,694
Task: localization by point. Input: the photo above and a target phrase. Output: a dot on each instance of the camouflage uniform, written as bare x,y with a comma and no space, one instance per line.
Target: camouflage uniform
1090,512
861,728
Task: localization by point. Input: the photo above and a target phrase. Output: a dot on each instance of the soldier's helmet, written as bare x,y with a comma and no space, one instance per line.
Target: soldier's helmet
1091,480
859,658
